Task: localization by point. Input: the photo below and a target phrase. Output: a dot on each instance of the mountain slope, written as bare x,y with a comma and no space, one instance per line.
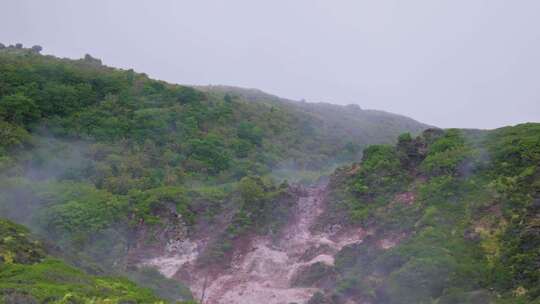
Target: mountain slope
453,218
364,127
118,172
99,160
29,275
210,133
450,216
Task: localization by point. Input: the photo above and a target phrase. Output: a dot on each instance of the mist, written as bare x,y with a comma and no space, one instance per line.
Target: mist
314,152
470,64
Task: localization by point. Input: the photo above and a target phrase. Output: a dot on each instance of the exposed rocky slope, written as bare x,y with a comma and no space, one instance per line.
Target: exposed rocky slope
265,269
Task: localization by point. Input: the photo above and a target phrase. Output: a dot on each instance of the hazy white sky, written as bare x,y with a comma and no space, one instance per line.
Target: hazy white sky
453,63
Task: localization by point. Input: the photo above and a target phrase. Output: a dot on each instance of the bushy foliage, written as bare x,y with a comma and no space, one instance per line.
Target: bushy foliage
16,246
89,154
516,173
18,109
380,171
81,210
380,175
445,154
12,137
28,275
470,233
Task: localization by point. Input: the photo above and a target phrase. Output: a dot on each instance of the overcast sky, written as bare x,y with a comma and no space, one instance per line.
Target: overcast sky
453,63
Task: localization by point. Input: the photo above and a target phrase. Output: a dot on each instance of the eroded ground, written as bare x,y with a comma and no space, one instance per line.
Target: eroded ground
265,272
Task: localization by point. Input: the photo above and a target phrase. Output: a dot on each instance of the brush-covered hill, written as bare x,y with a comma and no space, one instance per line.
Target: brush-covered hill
350,123
452,216
212,135
28,274
106,164
91,155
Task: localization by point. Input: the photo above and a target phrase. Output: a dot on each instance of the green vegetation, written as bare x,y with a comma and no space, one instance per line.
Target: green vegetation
16,247
177,133
92,156
463,210
29,275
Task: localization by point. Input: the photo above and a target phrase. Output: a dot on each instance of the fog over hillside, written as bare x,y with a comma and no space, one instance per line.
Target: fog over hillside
285,152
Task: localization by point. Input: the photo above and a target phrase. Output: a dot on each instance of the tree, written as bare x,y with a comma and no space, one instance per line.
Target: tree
210,151
12,136
251,190
59,99
250,132
18,109
88,58
37,49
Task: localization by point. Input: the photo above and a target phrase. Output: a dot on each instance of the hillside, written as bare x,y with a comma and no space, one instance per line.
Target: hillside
352,123
97,161
84,100
450,216
136,190
29,275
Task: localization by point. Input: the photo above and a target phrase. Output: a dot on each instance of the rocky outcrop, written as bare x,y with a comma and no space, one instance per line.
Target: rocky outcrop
284,268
